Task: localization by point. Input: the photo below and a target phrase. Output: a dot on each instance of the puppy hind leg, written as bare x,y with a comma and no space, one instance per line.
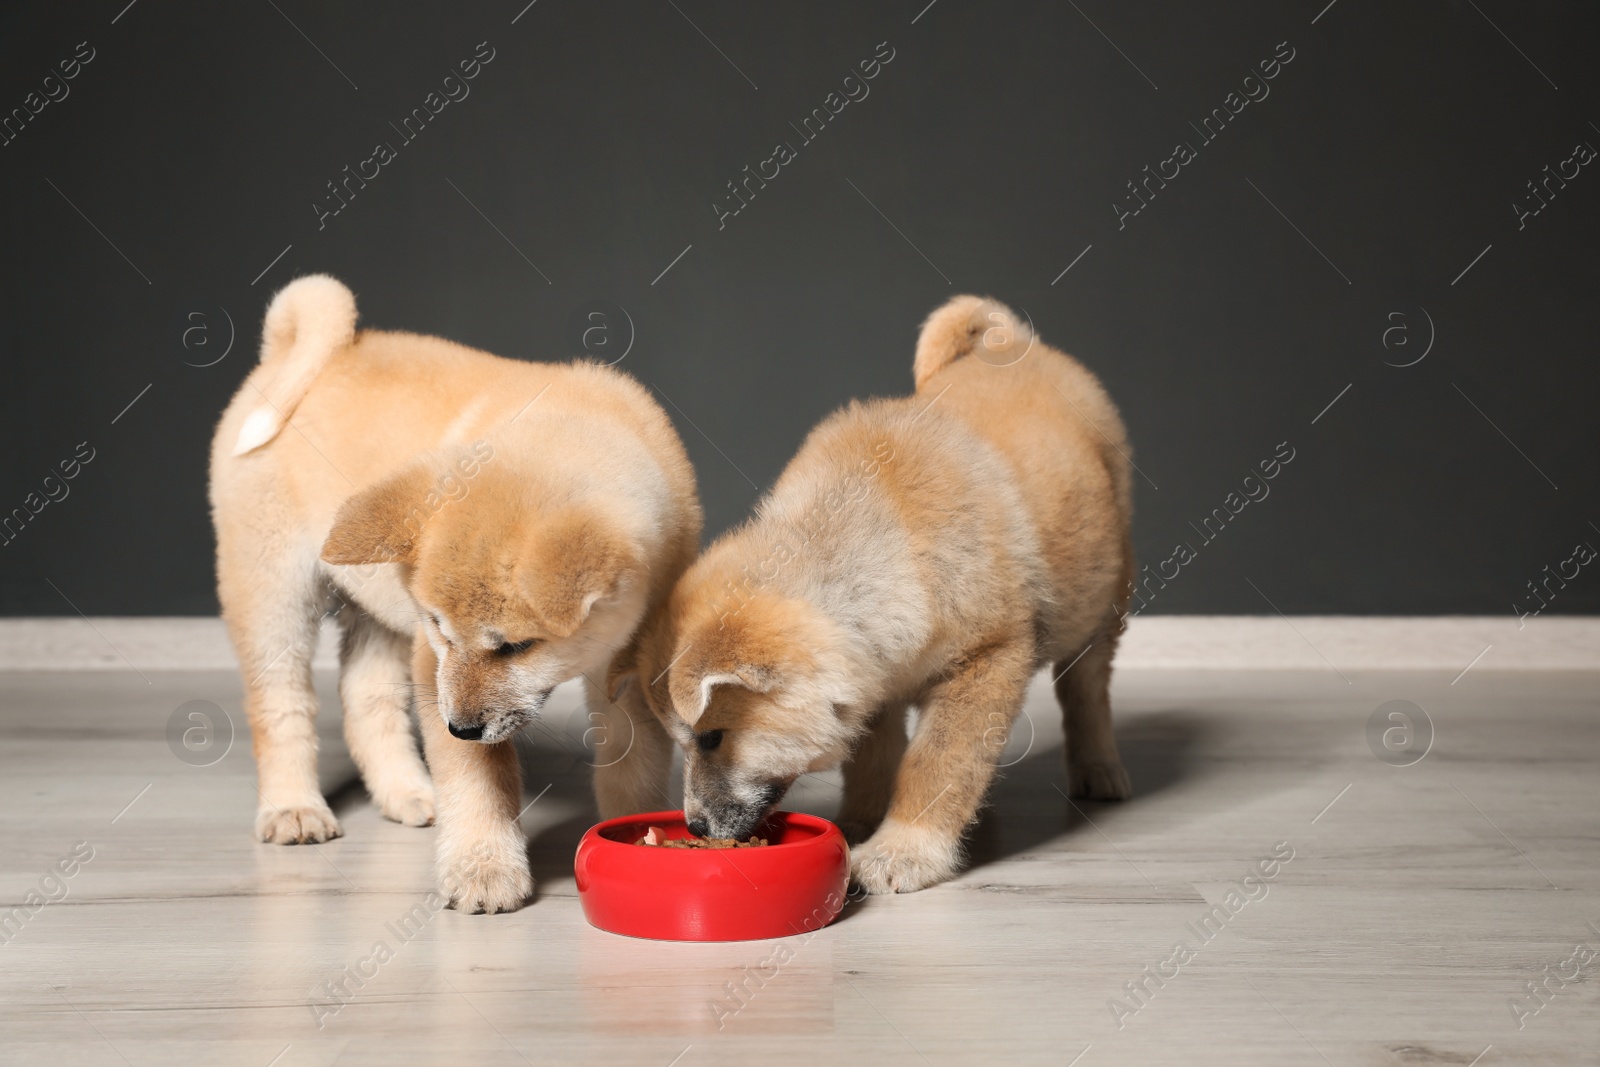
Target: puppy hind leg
632,753
375,687
869,774
272,620
1094,768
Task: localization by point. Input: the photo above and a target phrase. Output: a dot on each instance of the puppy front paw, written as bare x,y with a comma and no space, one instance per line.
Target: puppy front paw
409,807
1102,780
486,876
307,824
901,858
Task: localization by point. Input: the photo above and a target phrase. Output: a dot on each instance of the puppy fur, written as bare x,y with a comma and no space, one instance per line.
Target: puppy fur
485,528
932,551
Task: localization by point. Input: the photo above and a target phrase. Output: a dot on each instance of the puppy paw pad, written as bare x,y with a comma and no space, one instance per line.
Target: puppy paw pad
297,826
902,863
409,809
481,886
1098,781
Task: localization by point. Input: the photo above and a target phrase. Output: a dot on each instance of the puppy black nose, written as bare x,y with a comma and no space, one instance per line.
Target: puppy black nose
699,827
466,733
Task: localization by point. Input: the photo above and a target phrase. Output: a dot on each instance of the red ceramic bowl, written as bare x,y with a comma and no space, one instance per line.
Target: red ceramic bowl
793,885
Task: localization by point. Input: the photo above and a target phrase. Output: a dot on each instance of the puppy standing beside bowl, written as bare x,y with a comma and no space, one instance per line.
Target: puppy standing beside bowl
493,528
933,551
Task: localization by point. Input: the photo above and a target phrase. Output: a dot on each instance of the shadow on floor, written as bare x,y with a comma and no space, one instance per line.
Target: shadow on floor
347,794
1027,805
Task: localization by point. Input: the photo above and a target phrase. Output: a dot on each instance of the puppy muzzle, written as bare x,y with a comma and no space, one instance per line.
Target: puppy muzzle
493,728
726,817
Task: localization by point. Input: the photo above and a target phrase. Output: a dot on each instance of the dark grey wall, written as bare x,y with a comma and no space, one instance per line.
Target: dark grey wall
990,155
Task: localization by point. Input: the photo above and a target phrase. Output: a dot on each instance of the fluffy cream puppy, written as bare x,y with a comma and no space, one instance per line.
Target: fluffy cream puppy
932,551
485,526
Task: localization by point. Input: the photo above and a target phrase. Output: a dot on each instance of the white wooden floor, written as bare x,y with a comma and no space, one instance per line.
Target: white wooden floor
1419,902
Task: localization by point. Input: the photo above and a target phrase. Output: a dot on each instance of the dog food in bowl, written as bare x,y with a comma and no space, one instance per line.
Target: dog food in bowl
658,837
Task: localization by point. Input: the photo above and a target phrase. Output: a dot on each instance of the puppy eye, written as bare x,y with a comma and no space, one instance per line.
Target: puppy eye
709,740
514,648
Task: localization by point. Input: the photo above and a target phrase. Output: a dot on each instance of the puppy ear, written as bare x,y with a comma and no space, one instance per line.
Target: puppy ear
381,523
770,643
572,560
691,690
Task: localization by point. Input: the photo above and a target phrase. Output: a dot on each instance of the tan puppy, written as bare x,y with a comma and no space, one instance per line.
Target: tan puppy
517,519
934,551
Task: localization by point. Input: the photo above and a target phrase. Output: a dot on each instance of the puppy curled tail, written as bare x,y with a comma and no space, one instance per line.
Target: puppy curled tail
309,320
965,325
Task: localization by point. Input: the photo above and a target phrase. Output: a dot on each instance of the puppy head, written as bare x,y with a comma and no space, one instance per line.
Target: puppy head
517,594
755,697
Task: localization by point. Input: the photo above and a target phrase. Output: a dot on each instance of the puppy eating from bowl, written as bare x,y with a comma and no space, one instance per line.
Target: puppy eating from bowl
485,529
933,551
